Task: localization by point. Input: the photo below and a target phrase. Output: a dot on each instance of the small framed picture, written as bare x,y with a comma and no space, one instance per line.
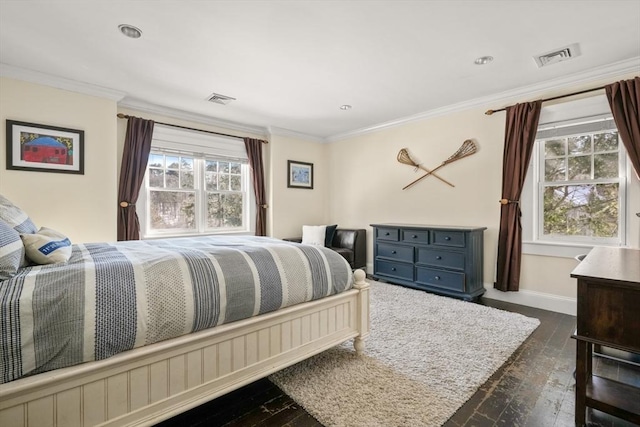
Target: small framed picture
300,174
43,148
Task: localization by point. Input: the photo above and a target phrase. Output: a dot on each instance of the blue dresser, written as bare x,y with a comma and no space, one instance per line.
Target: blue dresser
446,260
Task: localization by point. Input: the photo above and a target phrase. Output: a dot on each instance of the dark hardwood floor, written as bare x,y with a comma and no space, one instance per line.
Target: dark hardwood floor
534,388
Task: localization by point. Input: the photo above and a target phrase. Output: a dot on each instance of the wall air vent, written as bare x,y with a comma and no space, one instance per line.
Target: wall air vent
558,55
220,99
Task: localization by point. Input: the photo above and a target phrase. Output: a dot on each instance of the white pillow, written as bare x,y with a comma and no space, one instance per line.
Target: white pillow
47,246
314,234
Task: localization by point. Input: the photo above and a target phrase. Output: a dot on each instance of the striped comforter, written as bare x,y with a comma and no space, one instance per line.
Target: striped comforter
110,298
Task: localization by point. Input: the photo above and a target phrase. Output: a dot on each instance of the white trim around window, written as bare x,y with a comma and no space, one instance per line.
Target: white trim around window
201,150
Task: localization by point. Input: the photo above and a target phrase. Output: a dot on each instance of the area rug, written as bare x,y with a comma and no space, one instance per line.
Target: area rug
425,357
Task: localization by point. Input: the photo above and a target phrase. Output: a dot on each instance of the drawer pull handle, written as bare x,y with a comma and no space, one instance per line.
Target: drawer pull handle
393,269
393,252
437,277
438,257
447,238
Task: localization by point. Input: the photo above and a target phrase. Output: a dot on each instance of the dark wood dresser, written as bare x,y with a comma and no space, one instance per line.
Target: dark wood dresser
442,259
608,315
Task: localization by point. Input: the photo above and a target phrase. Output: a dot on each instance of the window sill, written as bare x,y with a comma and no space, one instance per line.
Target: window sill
219,233
561,250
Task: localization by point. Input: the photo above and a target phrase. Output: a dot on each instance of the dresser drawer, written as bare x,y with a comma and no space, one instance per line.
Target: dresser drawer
394,269
388,234
415,236
448,238
440,258
440,278
395,252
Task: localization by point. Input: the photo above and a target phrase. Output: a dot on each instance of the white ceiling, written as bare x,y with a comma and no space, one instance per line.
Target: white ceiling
291,64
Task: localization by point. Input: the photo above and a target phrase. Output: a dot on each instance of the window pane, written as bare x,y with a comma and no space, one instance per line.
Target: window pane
224,210
223,167
232,206
554,148
187,163
554,170
580,144
211,181
156,178
156,160
583,210
211,166
172,210
607,141
236,183
214,211
223,182
605,165
173,162
235,168
173,179
186,179
579,168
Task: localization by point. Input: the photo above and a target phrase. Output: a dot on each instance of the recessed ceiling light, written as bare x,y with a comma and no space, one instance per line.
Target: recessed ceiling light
130,31
345,107
483,60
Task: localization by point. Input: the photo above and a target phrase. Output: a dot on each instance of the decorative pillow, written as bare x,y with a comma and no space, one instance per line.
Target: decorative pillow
47,246
314,234
331,230
15,217
11,251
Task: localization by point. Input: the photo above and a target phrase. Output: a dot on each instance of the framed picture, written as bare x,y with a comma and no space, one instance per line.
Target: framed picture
42,148
300,174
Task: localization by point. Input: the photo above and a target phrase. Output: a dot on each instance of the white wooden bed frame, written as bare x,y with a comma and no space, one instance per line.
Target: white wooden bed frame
147,385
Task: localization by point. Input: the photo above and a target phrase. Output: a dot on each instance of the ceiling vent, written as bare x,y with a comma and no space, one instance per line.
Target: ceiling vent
220,99
559,55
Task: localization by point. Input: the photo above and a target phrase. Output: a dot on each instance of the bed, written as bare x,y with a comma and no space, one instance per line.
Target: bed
132,333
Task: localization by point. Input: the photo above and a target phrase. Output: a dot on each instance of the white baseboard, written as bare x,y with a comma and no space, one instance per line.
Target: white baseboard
535,299
541,300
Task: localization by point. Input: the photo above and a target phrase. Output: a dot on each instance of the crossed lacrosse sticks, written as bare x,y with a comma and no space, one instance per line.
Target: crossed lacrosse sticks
468,148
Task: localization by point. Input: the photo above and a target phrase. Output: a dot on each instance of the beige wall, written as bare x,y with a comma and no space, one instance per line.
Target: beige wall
81,206
366,183
291,208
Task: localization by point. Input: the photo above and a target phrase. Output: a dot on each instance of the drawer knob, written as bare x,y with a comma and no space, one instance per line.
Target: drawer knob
393,252
386,234
393,269
414,236
437,277
438,257
447,238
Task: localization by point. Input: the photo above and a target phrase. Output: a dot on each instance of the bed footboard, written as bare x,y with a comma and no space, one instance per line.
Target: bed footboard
153,383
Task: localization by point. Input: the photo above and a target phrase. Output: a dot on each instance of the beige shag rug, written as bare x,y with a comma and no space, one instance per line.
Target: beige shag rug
425,357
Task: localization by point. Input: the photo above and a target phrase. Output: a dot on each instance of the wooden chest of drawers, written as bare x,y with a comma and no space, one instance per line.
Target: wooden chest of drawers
443,260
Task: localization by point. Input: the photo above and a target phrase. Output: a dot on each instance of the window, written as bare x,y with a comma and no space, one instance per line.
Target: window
581,183
195,184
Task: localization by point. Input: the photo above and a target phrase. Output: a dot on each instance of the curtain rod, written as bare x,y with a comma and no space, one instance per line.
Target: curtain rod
126,116
490,112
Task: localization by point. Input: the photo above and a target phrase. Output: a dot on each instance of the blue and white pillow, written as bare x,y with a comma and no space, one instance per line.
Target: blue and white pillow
11,251
47,246
15,217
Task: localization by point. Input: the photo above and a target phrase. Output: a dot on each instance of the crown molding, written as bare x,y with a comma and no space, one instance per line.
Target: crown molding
37,77
147,107
293,134
507,97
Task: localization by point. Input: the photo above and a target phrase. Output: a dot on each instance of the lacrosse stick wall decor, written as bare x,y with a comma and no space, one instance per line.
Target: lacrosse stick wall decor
405,158
468,148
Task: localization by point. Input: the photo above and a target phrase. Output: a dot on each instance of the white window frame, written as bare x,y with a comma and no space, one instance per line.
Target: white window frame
202,147
595,108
